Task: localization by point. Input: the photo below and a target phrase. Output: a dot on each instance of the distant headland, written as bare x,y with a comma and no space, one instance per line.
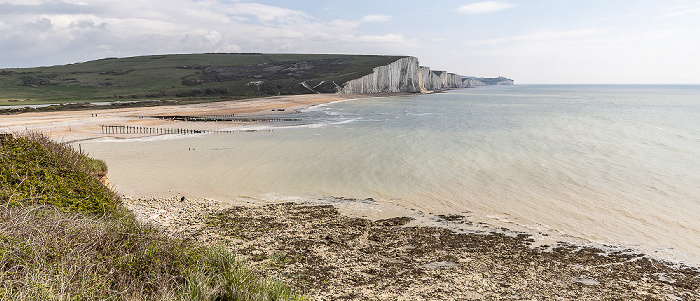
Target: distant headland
491,81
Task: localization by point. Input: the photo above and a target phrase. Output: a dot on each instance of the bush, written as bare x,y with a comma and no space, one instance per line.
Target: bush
97,167
34,170
46,254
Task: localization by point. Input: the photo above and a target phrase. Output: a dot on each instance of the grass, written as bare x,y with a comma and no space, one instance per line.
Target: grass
36,171
183,76
85,245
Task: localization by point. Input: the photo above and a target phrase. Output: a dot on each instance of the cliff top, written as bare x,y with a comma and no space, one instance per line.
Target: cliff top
489,80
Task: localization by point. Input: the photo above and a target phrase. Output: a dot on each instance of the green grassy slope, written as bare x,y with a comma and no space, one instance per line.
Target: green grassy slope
37,171
183,76
64,236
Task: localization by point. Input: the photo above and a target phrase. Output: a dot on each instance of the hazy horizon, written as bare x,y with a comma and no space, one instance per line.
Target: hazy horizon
532,42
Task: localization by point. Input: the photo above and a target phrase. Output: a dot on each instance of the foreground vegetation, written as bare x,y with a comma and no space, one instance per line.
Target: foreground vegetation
185,77
65,236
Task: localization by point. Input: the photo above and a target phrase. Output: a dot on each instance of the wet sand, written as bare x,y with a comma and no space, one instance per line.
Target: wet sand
71,126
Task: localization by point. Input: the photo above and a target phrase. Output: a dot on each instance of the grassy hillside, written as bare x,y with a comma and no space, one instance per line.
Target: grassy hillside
64,236
202,76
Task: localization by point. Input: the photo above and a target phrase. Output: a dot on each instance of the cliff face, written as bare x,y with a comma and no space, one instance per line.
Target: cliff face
474,82
404,75
506,82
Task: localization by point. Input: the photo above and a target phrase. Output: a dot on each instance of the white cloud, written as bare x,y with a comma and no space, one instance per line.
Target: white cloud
21,2
376,18
345,23
593,55
683,10
202,40
266,12
51,32
484,7
213,37
539,37
383,39
357,23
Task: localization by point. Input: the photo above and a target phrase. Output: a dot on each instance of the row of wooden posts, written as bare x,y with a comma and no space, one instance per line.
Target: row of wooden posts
126,129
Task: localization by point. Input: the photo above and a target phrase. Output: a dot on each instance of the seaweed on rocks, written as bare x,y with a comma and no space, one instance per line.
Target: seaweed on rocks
331,256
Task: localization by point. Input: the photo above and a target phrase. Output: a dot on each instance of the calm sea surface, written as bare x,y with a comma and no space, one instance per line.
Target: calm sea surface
614,165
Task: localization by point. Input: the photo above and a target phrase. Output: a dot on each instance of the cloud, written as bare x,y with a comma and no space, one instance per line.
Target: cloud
52,7
383,39
375,18
57,32
42,24
340,23
357,23
484,7
683,10
593,55
539,37
266,12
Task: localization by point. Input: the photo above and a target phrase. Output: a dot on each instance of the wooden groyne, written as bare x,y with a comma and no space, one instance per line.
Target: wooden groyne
126,129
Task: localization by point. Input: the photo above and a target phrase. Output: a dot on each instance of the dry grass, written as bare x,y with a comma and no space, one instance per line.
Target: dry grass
57,251
49,255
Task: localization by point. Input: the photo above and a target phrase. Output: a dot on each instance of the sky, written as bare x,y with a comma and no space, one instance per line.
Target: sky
530,41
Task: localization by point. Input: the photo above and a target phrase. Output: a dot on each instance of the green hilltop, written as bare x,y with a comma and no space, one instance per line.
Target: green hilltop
205,77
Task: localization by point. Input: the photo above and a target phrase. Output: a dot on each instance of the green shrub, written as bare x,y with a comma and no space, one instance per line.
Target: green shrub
36,170
97,167
46,254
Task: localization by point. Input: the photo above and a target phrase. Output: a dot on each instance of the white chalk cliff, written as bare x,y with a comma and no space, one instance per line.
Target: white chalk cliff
405,75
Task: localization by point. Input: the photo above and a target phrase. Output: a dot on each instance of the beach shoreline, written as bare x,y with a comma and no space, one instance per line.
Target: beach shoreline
74,126
330,255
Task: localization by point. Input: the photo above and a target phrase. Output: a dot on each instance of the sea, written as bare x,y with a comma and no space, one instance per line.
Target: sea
613,166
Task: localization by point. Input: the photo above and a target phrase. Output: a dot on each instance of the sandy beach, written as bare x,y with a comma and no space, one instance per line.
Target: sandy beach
71,126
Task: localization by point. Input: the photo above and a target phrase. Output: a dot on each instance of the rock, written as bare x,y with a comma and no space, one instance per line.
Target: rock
330,256
586,281
439,265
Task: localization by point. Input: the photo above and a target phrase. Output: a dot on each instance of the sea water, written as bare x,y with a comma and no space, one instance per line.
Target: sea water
611,165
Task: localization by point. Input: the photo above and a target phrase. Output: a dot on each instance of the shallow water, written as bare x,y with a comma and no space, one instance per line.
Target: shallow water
613,165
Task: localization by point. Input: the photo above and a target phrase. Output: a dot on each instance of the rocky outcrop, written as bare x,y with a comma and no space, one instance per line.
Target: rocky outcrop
317,242
403,75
